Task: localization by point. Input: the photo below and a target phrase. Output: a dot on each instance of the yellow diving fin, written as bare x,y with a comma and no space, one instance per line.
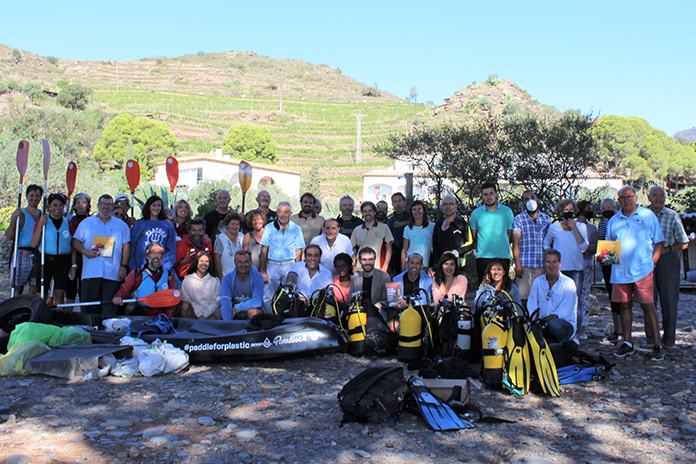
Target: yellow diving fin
544,364
517,368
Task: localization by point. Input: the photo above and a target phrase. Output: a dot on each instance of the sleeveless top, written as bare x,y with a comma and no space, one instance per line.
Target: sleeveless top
255,249
57,241
27,231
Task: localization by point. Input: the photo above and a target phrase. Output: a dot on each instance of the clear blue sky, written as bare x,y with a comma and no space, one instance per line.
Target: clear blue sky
629,58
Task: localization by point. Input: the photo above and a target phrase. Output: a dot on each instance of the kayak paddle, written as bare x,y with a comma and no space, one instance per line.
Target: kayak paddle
133,178
70,177
161,299
22,161
172,175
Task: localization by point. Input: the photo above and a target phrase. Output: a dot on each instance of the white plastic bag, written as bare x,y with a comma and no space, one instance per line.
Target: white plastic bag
126,368
154,359
151,362
117,324
106,364
175,358
138,345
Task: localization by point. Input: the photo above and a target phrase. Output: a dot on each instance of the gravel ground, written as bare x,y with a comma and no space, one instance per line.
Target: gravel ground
286,411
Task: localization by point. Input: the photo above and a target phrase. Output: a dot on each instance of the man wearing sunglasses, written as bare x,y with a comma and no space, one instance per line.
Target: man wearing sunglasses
555,296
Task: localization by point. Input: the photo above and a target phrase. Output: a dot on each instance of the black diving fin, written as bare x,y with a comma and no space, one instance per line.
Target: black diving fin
437,414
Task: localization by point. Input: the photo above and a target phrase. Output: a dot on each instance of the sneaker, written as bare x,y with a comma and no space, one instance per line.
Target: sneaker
658,354
625,350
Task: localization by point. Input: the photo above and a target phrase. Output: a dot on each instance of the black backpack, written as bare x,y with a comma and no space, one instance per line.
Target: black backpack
287,302
374,395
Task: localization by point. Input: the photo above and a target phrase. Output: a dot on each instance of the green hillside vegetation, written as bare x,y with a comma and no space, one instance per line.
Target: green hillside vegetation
198,98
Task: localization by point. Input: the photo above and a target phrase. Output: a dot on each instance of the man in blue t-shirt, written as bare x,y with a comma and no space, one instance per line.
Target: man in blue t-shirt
642,241
491,225
241,294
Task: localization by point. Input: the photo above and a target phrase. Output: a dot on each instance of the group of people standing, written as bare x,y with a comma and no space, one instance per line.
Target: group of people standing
229,265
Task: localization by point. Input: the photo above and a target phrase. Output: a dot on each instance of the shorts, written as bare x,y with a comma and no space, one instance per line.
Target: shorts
641,292
57,268
25,266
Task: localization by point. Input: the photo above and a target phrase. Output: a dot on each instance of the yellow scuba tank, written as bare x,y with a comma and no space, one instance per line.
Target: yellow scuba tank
494,338
324,305
356,325
410,335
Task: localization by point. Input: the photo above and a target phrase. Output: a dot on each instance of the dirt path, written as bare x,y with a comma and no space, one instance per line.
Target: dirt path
286,411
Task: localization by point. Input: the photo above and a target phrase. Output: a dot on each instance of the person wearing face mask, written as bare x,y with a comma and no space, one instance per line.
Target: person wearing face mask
569,237
585,214
609,208
528,231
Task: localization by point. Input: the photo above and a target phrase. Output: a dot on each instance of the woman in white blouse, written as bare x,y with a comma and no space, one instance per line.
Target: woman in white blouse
200,290
228,242
570,239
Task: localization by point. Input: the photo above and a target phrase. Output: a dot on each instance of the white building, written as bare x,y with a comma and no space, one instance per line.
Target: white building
218,166
381,184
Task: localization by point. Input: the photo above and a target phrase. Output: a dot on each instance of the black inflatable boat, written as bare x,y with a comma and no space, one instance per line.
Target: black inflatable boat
203,340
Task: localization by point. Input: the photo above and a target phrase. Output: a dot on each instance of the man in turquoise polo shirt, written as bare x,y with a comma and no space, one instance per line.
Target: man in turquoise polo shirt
491,225
281,246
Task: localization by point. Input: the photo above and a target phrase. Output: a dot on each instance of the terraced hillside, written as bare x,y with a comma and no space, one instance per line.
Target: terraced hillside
200,96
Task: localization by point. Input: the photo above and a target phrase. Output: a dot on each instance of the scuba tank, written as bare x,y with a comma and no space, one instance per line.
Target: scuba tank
493,339
356,325
410,335
324,305
412,321
465,322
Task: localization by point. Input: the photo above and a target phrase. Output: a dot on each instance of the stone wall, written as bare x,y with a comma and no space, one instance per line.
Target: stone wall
5,257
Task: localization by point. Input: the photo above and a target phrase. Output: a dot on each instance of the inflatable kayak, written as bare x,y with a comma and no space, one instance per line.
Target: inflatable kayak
203,340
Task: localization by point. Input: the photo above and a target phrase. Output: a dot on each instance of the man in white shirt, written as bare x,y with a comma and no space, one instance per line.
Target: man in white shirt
555,296
332,242
104,243
310,275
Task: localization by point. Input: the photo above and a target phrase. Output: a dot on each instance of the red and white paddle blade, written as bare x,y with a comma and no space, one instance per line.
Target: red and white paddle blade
70,177
46,158
162,299
22,157
172,172
132,174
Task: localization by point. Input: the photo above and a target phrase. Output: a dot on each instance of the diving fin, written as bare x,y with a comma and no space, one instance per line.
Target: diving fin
516,369
579,373
544,364
437,414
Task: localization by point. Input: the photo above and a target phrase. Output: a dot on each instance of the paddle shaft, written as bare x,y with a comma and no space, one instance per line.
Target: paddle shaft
16,239
43,240
46,166
92,303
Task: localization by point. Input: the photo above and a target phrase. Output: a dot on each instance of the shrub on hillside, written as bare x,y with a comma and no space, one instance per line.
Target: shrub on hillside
370,92
74,96
250,143
33,91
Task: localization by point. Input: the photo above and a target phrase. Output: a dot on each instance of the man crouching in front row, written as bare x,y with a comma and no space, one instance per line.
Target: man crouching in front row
242,289
146,280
